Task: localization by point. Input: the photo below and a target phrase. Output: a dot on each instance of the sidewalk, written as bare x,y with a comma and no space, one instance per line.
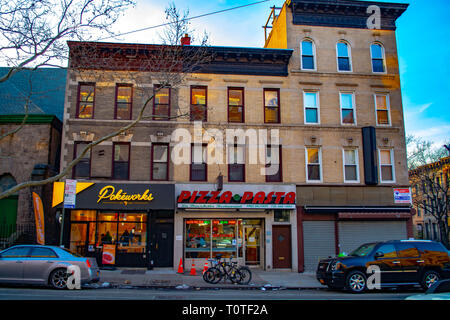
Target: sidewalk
168,278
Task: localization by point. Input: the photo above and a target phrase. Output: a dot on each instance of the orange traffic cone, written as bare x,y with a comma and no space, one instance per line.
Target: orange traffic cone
205,267
180,266
193,273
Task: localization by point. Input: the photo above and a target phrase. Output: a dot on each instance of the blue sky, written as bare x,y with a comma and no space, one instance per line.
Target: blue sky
423,38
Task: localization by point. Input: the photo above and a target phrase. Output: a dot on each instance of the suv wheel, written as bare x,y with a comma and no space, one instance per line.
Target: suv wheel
430,278
356,281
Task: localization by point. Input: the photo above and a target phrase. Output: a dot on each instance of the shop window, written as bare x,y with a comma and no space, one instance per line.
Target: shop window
282,215
86,100
199,103
198,238
83,168
271,106
121,161
160,162
82,215
224,238
161,103
124,98
132,237
235,104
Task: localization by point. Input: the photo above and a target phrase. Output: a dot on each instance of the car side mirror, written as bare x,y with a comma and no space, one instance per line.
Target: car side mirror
379,255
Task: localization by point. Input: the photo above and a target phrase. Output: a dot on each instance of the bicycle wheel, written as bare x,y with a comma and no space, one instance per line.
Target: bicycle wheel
212,275
234,275
245,275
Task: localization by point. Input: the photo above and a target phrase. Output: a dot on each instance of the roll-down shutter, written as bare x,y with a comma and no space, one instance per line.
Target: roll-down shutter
318,242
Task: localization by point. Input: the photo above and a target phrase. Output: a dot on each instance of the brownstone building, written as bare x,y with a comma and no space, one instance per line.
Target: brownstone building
324,85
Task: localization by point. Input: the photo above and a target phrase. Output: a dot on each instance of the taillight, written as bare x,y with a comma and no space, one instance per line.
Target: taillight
88,264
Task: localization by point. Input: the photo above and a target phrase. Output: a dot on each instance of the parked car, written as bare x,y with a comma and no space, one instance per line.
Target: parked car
438,291
400,263
44,265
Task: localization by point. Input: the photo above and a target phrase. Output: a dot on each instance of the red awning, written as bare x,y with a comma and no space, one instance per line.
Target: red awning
374,215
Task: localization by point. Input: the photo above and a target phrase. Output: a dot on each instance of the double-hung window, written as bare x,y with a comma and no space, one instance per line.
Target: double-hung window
121,161
273,168
378,58
347,102
86,101
382,109
236,163
161,103
343,56
199,102
271,106
351,173
387,170
313,164
308,59
311,107
124,98
160,162
236,105
198,170
83,168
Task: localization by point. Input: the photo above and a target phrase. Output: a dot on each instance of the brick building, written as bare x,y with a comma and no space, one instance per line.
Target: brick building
329,87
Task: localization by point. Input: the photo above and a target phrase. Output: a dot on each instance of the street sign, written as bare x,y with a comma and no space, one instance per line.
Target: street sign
70,194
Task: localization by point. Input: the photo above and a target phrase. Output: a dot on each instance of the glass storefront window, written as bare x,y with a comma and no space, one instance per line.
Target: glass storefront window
224,238
132,237
198,238
107,233
82,215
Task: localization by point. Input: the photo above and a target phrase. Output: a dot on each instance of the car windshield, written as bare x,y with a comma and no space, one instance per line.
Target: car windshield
363,250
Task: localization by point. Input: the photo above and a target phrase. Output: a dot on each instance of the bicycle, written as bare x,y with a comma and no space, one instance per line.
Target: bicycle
227,270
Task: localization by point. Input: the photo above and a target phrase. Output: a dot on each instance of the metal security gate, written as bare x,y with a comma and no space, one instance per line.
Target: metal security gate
352,234
318,242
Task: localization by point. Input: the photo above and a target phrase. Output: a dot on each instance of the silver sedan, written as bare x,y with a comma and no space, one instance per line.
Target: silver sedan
44,265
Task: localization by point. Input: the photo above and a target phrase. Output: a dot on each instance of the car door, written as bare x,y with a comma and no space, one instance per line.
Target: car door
37,265
389,263
12,264
410,260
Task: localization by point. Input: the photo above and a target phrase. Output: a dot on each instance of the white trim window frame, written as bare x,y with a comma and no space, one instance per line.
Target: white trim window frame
381,57
313,164
383,164
387,109
307,106
348,56
308,54
343,107
354,163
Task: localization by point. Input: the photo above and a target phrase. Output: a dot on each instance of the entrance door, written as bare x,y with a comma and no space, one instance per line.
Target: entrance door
281,246
163,245
252,245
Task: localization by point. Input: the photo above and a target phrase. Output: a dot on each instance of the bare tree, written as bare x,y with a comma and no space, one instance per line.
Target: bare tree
167,64
431,184
421,152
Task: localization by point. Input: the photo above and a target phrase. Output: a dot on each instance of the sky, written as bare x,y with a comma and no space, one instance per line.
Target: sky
423,41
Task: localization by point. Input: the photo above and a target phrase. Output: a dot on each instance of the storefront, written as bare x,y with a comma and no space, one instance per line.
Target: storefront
254,224
125,225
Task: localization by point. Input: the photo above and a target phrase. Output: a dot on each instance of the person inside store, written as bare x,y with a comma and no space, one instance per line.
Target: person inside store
106,238
125,238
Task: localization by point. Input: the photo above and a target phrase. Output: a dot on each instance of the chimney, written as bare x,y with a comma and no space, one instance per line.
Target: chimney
186,40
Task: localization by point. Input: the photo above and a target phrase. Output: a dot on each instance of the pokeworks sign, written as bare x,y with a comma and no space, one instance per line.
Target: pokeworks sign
203,199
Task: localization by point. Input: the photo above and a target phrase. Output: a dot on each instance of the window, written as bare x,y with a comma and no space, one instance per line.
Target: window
307,49
377,54
311,107
198,163
161,103
382,109
199,102
388,250
86,100
124,98
271,106
235,104
313,165
407,250
282,215
387,165
160,162
83,168
343,56
18,252
347,101
43,253
273,166
351,165
121,161
236,163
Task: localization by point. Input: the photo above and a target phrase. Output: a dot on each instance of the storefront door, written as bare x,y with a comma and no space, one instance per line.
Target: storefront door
162,235
281,249
252,245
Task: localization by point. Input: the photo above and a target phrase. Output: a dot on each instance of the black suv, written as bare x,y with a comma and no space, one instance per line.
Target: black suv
387,264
